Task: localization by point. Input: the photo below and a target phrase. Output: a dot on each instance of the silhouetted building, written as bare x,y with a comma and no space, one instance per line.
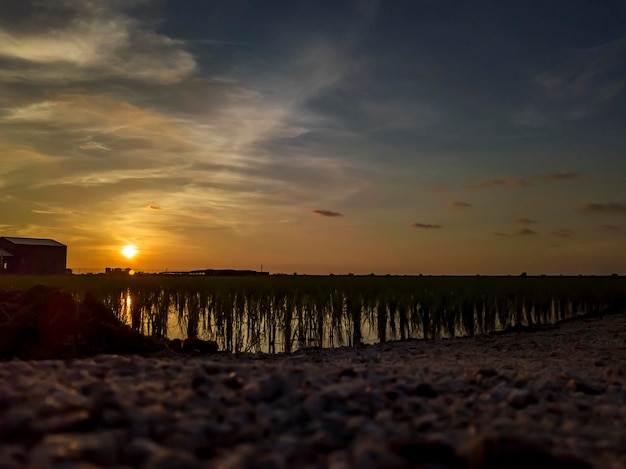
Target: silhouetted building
221,273
32,256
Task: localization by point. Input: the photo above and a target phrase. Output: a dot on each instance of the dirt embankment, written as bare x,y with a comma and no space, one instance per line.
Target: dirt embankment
45,322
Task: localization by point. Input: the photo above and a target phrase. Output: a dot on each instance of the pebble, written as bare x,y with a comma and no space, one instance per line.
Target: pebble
520,398
466,403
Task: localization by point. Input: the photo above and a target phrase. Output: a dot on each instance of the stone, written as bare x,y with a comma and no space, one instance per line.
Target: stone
167,458
425,390
520,398
585,387
195,345
74,420
15,421
265,389
426,452
498,451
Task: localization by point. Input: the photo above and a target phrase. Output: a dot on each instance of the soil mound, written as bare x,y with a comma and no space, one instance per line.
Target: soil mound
45,322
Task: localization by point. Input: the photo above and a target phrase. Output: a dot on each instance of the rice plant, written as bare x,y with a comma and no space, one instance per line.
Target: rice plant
283,313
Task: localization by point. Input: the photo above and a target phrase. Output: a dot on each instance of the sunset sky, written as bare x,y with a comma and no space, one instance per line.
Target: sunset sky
408,136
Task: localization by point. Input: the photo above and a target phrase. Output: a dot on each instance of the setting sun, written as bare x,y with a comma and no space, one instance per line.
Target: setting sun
129,251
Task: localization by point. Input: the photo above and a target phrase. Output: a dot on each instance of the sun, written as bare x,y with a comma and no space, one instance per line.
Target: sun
129,251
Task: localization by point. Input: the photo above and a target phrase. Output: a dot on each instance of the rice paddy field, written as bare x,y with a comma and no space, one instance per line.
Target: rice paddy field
284,313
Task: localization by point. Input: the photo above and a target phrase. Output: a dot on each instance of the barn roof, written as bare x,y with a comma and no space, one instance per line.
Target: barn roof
4,253
32,241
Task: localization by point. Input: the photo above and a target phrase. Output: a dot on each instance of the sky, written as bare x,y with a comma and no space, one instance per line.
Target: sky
403,137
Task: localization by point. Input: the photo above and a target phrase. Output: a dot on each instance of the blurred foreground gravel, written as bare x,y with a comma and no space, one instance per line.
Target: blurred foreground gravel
552,398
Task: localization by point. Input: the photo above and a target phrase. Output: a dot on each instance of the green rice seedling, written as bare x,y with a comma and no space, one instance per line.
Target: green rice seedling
276,318
490,309
299,301
206,300
425,307
354,308
193,314
287,322
135,314
392,305
403,317
229,315
381,314
322,306
468,316
337,315
414,317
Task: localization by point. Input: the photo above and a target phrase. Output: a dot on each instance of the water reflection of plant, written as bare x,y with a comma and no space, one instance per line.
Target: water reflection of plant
284,313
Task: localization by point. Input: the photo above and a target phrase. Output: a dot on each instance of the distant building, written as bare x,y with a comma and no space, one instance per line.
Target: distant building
32,256
221,273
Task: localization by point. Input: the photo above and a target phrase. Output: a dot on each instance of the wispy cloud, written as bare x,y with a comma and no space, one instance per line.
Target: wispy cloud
609,207
94,146
500,182
426,226
459,205
582,83
327,213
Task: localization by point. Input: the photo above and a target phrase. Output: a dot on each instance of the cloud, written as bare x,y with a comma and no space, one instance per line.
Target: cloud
522,232
459,205
583,82
154,207
563,233
500,182
524,221
94,146
426,226
568,176
93,40
516,182
609,207
328,213
525,232
612,228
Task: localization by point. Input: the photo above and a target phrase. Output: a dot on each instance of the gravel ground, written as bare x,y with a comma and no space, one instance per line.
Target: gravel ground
552,398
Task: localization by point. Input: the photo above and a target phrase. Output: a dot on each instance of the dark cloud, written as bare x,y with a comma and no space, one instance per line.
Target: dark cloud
609,207
459,205
524,221
154,207
521,232
328,213
612,228
500,182
426,226
563,233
